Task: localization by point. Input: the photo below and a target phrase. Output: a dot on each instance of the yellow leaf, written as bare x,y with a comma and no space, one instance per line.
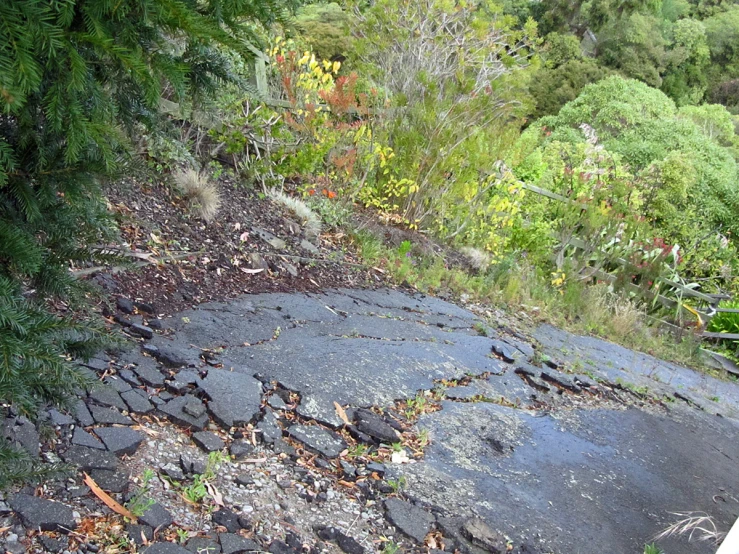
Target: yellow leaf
341,413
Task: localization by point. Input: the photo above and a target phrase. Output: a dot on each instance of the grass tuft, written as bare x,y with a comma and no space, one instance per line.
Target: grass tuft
311,222
203,195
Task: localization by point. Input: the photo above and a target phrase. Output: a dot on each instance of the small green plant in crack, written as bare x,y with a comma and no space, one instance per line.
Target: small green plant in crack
397,446
198,490
397,484
714,399
481,329
670,399
182,535
415,406
423,438
358,450
390,548
140,501
653,549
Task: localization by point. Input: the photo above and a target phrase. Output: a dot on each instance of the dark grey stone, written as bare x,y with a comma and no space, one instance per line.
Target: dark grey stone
111,481
125,305
280,547
39,513
155,324
560,380
141,331
149,348
174,410
413,521
51,544
348,544
130,377
106,395
139,532
90,458
165,548
506,352
149,375
480,534
374,467
145,307
82,414
121,441
169,357
120,385
109,416
173,472
282,447
137,401
226,518
240,449
244,479
373,425
83,438
157,516
203,545
270,430
317,439
235,397
236,544
21,433
207,441
194,407
276,402
58,418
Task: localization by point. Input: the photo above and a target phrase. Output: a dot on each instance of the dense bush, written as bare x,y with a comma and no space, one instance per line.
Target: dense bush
74,76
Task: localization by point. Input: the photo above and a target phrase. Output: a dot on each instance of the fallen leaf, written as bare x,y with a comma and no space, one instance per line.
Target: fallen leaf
253,461
347,483
341,413
107,499
155,238
244,236
213,491
252,271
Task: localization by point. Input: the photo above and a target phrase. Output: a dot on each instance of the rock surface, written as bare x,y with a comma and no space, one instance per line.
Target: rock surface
46,515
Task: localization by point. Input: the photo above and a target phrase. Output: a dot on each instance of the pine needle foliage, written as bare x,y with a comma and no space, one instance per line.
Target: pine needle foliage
76,77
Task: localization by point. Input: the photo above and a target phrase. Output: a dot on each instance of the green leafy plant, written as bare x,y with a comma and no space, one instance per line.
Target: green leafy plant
200,488
652,549
397,485
140,500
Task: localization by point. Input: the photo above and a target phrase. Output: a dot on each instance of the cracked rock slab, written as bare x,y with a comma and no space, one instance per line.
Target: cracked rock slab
235,396
408,518
319,440
46,515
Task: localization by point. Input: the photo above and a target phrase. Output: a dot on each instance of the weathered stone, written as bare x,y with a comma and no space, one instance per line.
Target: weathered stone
374,467
83,438
174,410
282,447
120,385
155,324
236,544
51,544
480,534
319,440
348,544
241,449
157,517
235,398
90,458
203,545
506,352
269,238
46,515
170,358
140,534
228,519
124,305
373,425
256,261
560,380
111,481
130,377
149,375
207,441
276,402
137,401
408,518
21,433
58,418
145,307
270,430
309,246
109,416
120,440
173,472
244,479
141,331
150,349
280,547
194,407
82,414
106,395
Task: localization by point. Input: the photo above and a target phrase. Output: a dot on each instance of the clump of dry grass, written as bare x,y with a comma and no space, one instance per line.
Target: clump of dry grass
203,195
693,524
478,259
311,221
